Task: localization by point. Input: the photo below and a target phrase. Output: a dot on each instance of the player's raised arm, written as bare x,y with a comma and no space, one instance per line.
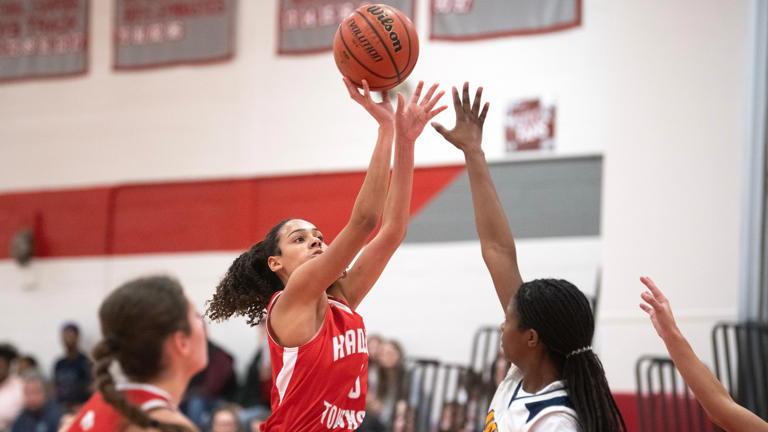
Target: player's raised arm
410,121
496,241
715,399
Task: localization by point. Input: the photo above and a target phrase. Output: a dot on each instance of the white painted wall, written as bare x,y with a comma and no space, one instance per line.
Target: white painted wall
660,88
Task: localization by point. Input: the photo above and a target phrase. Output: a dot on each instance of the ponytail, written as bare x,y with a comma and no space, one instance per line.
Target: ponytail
590,395
249,283
562,317
103,354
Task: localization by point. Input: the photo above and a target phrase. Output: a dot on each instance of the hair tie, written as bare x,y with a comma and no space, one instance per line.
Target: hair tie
579,351
112,343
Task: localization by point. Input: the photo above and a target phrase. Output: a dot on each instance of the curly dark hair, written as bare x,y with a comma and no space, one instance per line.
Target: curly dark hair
249,283
562,316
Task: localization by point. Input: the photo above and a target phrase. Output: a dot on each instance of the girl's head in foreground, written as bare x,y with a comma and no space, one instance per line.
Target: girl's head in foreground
554,317
153,331
263,270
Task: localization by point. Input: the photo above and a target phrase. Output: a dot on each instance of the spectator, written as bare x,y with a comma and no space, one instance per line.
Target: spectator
40,413
258,378
215,384
374,342
256,422
11,388
72,372
226,418
26,364
389,377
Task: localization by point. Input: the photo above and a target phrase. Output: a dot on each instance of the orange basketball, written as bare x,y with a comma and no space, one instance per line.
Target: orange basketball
377,43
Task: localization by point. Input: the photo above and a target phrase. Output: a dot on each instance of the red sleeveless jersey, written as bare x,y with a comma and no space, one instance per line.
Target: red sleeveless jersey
321,385
97,415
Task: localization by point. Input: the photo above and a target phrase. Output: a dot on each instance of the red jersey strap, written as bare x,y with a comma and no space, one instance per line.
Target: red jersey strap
146,396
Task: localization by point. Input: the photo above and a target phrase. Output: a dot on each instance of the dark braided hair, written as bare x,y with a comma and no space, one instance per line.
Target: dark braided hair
562,317
136,319
249,283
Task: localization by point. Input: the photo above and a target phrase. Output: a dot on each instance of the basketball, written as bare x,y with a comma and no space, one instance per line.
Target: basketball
376,43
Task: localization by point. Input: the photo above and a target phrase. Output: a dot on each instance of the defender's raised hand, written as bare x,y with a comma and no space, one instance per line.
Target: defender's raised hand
467,134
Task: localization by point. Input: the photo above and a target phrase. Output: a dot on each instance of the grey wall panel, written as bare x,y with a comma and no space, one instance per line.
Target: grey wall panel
542,198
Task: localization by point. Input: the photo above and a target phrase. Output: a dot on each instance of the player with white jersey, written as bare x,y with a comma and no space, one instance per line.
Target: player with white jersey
316,339
556,382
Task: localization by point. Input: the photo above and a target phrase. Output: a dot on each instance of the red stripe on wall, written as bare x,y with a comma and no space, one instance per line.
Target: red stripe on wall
189,216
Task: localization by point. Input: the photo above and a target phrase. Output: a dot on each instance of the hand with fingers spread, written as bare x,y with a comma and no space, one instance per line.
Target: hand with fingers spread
381,111
710,393
468,132
658,309
411,118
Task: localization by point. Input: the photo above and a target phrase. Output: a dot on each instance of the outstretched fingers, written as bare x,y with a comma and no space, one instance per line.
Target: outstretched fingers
440,129
456,101
651,300
437,111
483,113
417,92
425,100
476,102
465,104
400,104
430,103
354,93
648,282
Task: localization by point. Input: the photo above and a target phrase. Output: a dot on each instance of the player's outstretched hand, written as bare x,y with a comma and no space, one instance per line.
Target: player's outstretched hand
467,134
381,111
658,308
410,119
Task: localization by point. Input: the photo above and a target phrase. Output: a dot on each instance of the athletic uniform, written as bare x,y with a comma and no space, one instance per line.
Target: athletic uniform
515,410
97,415
321,385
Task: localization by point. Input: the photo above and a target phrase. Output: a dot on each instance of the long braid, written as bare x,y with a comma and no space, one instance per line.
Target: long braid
103,355
249,283
562,317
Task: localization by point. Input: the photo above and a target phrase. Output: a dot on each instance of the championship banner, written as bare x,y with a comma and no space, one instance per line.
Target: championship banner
308,26
43,38
530,125
152,33
481,19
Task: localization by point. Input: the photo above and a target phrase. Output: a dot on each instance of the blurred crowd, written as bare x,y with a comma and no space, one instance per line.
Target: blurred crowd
216,400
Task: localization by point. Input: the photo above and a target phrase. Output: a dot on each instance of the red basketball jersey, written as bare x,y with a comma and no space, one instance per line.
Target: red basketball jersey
97,415
321,385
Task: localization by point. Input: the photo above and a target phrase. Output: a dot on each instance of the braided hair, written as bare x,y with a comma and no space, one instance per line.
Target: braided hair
135,320
249,283
562,317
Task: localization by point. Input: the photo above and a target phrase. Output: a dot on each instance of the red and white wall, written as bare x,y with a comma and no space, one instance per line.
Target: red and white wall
659,89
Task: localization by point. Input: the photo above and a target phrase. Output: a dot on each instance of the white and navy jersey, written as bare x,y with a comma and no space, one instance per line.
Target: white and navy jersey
514,410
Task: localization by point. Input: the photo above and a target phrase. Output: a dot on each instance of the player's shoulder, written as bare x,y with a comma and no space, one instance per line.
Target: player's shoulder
558,421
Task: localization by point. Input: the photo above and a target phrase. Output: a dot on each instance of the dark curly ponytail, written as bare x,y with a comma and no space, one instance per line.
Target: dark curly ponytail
562,317
136,319
249,283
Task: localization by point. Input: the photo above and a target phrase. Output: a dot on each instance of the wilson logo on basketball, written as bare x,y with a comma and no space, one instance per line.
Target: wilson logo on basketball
376,43
386,22
365,44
